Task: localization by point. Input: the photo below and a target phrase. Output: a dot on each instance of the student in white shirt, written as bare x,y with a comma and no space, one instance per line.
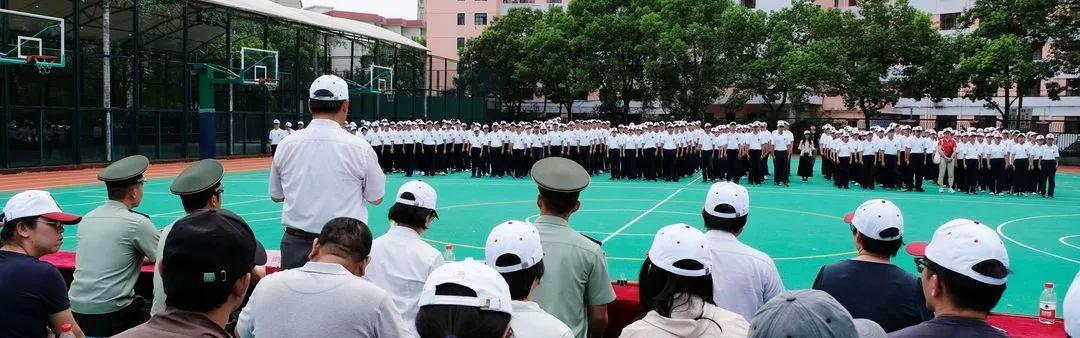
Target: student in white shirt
515,251
276,135
478,142
1018,161
782,143
1048,154
677,293
322,172
843,151
996,162
400,260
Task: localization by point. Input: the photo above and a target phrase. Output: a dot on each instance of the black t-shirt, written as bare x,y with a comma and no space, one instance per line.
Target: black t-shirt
950,327
880,292
30,291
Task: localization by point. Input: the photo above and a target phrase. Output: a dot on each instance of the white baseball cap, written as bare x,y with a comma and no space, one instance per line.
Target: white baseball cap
32,203
727,200
329,88
960,244
518,238
677,242
875,216
276,121
492,292
1072,308
288,124
423,195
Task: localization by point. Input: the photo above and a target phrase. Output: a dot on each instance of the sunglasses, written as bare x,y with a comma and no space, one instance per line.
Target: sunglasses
921,263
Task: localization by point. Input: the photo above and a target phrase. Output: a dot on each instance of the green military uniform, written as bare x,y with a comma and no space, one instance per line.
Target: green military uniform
575,266
198,177
113,240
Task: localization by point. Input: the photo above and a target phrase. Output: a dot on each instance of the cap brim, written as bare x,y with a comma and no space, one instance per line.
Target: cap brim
916,249
62,217
849,217
260,253
868,329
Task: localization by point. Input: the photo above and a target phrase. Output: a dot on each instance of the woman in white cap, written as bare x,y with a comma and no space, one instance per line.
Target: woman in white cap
33,292
806,156
464,299
677,290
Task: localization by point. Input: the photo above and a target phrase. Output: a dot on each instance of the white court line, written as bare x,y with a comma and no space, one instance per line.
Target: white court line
228,205
1062,240
1003,235
616,233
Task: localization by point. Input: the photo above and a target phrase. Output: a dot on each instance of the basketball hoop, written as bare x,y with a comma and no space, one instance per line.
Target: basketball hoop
389,93
268,82
42,62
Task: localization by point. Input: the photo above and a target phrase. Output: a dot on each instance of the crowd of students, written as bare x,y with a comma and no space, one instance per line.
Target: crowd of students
539,279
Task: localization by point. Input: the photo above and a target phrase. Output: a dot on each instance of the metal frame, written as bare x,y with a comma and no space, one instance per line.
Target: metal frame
371,77
22,40
244,66
22,58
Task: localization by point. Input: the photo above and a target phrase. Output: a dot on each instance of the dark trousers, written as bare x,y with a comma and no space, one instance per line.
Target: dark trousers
496,160
719,164
630,164
971,175
409,159
669,165
869,168
1048,169
649,163
843,171
827,167
889,174
113,323
614,163
476,163
917,169
1020,178
734,170
557,151
997,175
757,174
381,151
518,162
273,149
295,247
536,154
429,159
707,172
904,170
782,167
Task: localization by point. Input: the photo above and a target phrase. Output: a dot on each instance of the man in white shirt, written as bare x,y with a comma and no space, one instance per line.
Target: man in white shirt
322,172
705,150
746,269
670,146
276,135
890,148
515,251
326,297
782,142
477,142
1048,165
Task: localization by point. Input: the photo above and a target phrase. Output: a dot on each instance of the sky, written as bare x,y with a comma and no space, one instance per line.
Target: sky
405,9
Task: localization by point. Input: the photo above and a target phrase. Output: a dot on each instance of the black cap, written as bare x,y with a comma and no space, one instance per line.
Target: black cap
208,247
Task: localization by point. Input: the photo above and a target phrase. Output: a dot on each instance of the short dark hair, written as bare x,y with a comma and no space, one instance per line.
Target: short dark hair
880,248
325,107
346,237
8,230
559,202
520,281
967,293
410,215
658,287
731,225
198,200
118,190
441,321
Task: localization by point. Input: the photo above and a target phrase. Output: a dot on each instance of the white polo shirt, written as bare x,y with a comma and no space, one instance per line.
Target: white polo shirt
276,135
400,264
319,300
781,141
530,321
742,268
323,172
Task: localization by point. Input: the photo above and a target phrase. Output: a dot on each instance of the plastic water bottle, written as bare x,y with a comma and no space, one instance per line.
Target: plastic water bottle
1048,304
65,331
622,279
448,255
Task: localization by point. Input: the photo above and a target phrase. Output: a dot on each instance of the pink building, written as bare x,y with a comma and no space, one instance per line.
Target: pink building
450,23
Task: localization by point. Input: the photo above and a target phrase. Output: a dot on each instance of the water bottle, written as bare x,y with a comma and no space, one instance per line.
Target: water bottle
1048,304
65,331
448,255
622,279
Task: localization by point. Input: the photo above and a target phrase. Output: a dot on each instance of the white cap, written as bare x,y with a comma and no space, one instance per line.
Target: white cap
1072,308
301,122
33,203
492,292
329,88
518,238
677,242
423,194
288,124
873,217
727,200
276,121
961,243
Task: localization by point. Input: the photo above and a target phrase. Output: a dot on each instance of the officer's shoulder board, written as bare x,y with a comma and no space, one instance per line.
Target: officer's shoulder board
592,239
139,213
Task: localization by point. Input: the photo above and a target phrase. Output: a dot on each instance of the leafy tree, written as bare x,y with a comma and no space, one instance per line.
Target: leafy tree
491,63
552,60
613,50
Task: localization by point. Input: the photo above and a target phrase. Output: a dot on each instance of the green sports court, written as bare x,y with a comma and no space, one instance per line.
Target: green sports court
799,226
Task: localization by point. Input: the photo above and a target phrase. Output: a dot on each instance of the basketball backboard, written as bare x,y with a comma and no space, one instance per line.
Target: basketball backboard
32,39
258,66
381,79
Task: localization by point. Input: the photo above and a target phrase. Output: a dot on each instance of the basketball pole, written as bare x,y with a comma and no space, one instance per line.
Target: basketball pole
207,123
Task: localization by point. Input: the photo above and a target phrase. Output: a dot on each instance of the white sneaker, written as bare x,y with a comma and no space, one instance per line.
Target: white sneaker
951,190
940,190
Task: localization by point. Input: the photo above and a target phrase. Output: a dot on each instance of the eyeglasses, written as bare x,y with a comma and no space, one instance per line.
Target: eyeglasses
59,227
921,263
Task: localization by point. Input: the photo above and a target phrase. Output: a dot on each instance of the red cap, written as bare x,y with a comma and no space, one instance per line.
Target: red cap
849,217
449,246
916,249
1049,285
62,217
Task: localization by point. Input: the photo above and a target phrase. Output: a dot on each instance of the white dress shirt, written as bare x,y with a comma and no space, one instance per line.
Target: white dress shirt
400,264
530,321
742,268
323,172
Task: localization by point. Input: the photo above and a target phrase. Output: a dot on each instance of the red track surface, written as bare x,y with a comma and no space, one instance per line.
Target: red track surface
67,178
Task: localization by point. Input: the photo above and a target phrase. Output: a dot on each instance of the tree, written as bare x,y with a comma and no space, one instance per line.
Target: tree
490,63
612,50
1003,53
869,59
552,60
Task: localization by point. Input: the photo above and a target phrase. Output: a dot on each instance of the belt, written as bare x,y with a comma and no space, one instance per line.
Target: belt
301,233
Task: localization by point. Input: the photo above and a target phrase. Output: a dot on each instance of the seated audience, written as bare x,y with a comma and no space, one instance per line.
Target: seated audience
33,294
400,260
809,313
465,299
205,270
326,297
677,291
869,285
751,272
964,269
514,250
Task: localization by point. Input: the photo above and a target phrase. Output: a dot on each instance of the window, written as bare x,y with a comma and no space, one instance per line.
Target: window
1037,54
749,3
948,21
1072,125
554,1
480,19
460,19
460,43
836,3
944,121
1072,87
1033,89
852,3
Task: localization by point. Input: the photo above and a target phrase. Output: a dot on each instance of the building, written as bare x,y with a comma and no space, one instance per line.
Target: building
289,3
450,23
413,29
